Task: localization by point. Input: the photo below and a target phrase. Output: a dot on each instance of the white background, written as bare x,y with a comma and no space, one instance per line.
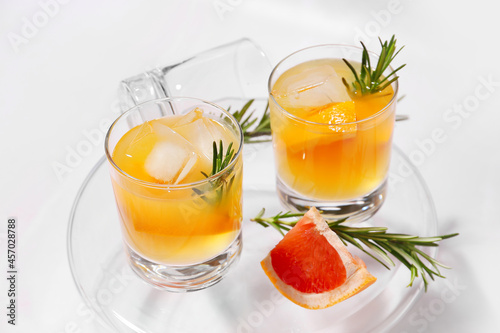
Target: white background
58,81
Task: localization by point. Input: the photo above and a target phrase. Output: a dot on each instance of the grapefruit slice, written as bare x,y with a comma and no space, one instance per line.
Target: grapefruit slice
335,114
312,267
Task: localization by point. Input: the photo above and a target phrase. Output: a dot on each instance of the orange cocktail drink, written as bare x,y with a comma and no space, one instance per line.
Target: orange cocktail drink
175,211
332,147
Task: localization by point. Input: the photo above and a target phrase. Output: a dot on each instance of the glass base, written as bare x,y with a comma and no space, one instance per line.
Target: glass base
356,210
185,278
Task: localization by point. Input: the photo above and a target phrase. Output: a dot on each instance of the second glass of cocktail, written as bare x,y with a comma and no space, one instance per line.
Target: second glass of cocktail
332,144
176,171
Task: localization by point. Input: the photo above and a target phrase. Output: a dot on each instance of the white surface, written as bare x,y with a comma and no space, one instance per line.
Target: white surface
57,95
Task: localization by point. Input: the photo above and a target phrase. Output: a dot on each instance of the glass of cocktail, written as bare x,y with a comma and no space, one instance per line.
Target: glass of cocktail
176,171
332,144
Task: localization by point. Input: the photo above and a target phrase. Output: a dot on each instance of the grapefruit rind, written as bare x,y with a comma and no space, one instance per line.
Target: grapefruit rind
358,277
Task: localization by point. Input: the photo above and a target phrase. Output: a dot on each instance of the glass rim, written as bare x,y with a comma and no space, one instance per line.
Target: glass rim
174,186
374,116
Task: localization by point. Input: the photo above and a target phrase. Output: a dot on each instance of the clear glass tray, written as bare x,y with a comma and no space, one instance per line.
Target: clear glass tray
245,300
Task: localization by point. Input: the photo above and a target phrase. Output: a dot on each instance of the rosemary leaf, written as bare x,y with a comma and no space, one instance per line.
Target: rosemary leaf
261,127
219,162
371,80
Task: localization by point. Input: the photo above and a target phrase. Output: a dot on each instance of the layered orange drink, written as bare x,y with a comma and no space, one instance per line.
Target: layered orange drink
330,144
173,210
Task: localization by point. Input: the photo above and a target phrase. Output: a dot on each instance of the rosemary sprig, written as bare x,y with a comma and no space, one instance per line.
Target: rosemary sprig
375,242
219,162
371,80
262,128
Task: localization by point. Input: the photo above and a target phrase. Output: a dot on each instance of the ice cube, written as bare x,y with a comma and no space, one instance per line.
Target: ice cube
142,143
169,162
202,133
172,157
144,130
179,120
311,86
189,117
